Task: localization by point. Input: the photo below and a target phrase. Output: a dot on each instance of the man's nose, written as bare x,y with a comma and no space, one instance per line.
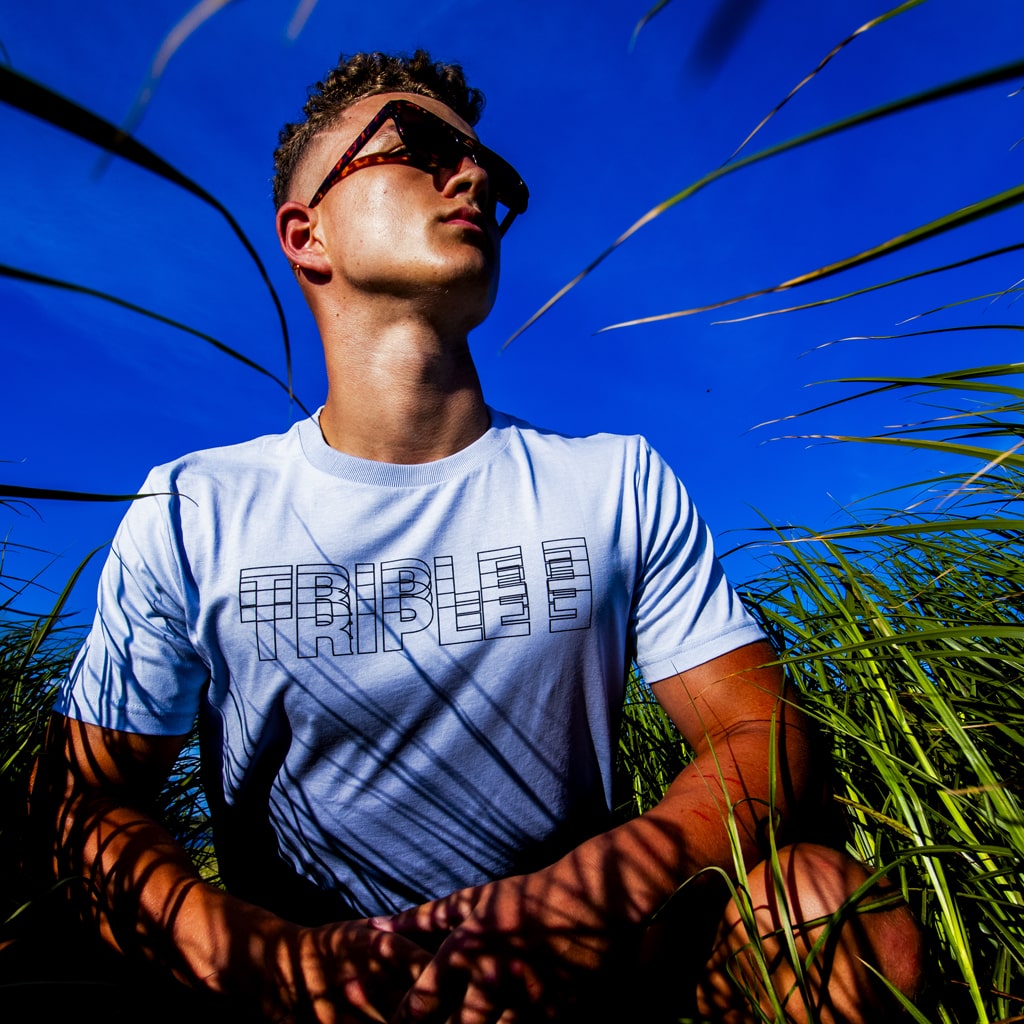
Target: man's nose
469,178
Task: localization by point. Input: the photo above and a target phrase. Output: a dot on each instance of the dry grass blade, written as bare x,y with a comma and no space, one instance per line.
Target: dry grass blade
916,530
866,27
952,380
299,19
918,334
1008,72
984,208
957,265
921,444
659,6
173,41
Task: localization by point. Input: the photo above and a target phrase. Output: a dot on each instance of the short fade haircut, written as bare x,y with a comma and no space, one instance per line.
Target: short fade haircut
364,74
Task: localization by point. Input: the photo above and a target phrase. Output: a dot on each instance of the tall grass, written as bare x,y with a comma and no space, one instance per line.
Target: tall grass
906,637
904,634
904,630
36,651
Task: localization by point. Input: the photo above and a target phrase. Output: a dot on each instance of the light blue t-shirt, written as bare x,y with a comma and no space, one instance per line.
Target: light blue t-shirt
412,674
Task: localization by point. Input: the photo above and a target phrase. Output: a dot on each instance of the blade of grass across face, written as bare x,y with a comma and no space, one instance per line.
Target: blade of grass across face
976,211
35,99
1008,72
53,282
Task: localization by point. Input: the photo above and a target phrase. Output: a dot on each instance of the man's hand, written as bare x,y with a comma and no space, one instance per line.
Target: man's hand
535,947
347,973
528,948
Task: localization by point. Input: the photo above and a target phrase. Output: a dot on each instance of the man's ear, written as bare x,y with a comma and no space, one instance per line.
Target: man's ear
297,233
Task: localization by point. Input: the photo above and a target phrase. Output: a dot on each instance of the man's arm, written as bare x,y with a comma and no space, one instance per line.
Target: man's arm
536,942
91,794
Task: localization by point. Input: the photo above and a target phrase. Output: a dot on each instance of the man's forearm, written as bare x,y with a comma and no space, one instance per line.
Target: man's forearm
555,937
147,898
127,873
714,815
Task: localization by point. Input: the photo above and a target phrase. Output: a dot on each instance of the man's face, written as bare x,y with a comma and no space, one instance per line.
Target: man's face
399,230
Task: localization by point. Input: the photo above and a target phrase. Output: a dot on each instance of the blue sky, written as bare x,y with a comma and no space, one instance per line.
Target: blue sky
601,133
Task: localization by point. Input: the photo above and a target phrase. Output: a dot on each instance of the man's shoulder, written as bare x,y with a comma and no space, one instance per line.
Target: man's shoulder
599,441
631,452
229,462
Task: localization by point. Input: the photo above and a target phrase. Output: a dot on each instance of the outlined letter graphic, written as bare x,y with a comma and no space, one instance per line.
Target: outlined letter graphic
503,586
570,589
366,607
265,596
324,619
407,604
460,616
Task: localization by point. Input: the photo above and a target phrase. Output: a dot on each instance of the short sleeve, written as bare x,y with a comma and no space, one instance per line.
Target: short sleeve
138,670
685,611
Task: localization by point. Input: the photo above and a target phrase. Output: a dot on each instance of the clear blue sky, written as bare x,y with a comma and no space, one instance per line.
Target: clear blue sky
94,396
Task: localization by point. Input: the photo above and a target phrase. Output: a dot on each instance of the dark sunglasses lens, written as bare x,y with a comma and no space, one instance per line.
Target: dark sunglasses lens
433,143
429,141
504,180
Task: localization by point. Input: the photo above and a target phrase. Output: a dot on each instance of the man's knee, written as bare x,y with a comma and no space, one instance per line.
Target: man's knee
843,927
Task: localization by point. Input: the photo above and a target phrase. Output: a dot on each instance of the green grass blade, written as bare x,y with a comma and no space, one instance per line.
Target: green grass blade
831,300
52,282
48,494
827,59
660,5
193,19
39,101
988,207
984,79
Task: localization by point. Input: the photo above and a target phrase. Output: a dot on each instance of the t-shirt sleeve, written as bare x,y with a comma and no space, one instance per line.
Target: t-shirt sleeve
138,670
685,611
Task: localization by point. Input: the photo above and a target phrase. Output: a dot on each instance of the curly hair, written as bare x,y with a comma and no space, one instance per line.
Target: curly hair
364,74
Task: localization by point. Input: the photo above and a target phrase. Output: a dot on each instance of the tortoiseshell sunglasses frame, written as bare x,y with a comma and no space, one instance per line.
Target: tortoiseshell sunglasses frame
506,186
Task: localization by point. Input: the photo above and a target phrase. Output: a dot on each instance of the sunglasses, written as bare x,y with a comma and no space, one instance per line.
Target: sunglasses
431,143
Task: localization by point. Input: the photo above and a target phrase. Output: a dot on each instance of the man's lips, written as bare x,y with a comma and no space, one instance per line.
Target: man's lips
467,215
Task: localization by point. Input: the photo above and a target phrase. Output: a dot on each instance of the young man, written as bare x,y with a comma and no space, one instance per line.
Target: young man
405,626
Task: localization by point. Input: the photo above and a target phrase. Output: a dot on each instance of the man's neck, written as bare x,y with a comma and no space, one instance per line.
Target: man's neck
399,392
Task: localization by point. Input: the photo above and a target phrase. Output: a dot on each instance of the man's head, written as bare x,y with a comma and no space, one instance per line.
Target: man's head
368,74
423,217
